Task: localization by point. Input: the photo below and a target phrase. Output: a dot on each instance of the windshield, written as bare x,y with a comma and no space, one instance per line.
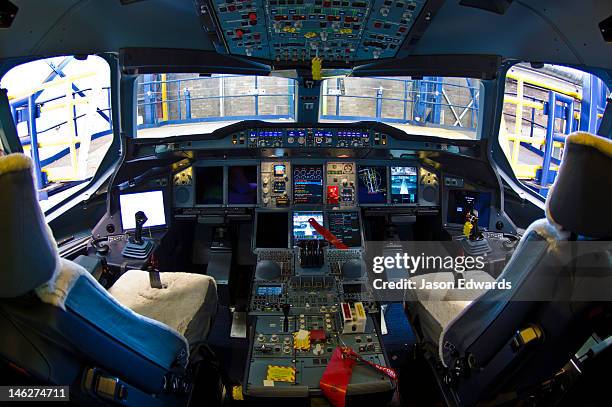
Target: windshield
432,106
193,104
182,104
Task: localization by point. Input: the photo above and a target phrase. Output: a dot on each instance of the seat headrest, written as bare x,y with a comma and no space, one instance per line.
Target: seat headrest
580,200
28,253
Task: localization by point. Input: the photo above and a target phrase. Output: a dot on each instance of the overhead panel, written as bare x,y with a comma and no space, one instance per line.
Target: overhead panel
295,31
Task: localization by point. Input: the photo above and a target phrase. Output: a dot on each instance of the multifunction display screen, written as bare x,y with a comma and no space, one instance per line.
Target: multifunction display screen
302,229
404,185
461,202
307,184
209,185
242,185
372,184
345,226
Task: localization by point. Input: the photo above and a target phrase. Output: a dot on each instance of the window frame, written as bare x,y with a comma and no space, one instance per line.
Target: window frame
82,192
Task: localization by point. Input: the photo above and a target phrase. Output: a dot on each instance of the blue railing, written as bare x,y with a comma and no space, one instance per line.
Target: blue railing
29,110
422,102
152,98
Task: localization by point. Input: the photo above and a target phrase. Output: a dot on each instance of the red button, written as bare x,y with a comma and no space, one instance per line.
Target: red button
253,16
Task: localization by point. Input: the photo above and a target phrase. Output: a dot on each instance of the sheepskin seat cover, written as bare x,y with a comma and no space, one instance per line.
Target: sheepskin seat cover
187,303
438,307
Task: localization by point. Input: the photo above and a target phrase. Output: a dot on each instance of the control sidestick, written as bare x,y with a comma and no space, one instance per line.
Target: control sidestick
141,219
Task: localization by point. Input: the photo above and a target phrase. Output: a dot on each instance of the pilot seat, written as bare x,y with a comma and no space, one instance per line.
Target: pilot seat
503,341
132,344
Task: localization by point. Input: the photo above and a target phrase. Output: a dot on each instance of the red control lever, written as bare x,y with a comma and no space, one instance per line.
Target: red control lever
327,235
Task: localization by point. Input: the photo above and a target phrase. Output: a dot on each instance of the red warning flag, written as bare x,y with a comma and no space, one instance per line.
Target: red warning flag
337,374
327,235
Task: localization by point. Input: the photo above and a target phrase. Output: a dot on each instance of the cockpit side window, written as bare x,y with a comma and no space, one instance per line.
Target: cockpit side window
541,107
61,108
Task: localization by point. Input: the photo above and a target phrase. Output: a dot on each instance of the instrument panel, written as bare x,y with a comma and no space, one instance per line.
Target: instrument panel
295,31
302,183
287,167
309,138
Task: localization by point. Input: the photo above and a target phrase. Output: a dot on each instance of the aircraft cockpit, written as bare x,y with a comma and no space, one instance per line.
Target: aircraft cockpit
319,202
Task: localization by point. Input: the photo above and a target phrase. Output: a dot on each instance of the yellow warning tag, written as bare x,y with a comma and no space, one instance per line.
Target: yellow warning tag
237,393
310,34
317,65
301,340
281,374
360,311
467,229
346,31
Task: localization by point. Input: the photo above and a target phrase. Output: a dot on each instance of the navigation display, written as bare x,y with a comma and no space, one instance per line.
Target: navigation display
151,203
307,184
345,226
403,185
209,185
461,202
242,185
372,184
302,230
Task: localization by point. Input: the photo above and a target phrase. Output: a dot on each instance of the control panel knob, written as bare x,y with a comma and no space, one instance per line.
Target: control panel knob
265,180
267,270
353,269
318,349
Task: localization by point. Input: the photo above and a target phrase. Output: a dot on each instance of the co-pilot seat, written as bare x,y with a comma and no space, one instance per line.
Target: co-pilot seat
62,327
508,340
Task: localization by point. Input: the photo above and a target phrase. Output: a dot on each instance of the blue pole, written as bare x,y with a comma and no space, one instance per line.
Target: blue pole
548,144
110,121
14,114
338,97
379,94
291,100
34,141
187,103
532,121
436,88
74,117
405,99
178,94
148,105
569,117
588,108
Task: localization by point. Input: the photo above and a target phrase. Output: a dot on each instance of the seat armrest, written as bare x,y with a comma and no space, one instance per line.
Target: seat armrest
93,265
